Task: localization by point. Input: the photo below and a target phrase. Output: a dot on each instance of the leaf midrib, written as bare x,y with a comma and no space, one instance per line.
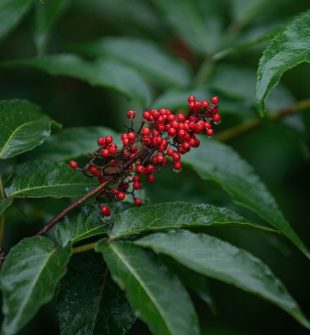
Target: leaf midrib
33,283
3,150
146,229
15,194
140,281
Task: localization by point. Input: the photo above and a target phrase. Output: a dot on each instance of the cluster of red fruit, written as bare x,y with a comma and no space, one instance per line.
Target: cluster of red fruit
148,146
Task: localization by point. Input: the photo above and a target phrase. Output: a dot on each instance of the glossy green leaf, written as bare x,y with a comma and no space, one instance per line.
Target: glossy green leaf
71,143
40,179
29,277
173,215
86,223
188,19
102,73
23,127
220,163
145,56
47,13
288,49
195,282
11,12
223,261
157,296
89,302
4,204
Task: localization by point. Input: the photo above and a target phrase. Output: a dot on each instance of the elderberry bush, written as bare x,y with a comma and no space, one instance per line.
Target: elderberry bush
126,205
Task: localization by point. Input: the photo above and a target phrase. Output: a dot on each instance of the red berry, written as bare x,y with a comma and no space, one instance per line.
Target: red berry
177,166
131,114
105,210
191,104
146,131
125,142
93,170
181,117
121,196
175,124
149,168
186,146
73,164
210,132
181,132
159,159
191,98
147,115
205,104
207,125
151,178
105,153
101,141
137,185
131,136
113,149
137,202
215,100
170,152
140,169
176,156
170,117
217,118
108,139
172,132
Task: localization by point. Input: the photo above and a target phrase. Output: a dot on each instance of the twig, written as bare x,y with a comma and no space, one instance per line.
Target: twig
84,247
70,208
256,122
85,197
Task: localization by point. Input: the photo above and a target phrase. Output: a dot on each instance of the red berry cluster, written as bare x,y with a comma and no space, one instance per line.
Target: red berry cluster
148,146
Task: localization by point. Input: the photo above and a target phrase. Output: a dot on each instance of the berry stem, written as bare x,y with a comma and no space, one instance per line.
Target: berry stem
85,197
70,208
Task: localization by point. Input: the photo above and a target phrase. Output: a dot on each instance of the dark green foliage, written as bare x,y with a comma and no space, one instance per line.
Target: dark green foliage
158,263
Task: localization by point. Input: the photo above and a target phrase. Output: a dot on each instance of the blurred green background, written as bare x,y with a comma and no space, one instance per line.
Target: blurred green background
216,43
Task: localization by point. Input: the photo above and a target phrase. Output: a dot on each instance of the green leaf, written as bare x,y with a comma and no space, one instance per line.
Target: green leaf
72,143
87,223
11,13
47,13
102,73
4,204
288,49
195,282
29,277
40,179
224,81
245,11
145,56
196,22
89,302
220,163
223,261
23,127
173,215
253,39
157,296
